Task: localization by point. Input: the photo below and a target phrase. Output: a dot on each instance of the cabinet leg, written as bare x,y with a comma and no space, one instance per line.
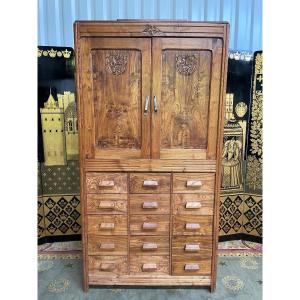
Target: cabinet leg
85,286
213,287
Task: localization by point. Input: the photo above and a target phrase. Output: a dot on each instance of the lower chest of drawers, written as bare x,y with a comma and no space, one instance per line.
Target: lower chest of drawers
149,224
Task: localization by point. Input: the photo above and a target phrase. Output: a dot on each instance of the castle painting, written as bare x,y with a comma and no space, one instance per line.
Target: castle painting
60,129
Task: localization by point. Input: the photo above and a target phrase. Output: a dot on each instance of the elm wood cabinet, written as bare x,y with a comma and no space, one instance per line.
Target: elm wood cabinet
150,104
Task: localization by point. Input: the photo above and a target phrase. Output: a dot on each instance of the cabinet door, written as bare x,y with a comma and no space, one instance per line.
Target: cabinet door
186,85
114,85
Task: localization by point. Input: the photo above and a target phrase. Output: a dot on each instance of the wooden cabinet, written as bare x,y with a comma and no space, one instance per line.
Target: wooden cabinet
150,105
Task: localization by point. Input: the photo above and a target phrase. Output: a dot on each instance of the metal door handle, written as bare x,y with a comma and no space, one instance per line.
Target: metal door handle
155,103
146,105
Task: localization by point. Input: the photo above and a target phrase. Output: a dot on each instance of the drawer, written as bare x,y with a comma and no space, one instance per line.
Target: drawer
149,245
149,264
107,225
149,183
107,245
106,183
190,246
198,266
149,203
202,183
149,225
107,203
192,225
108,265
193,204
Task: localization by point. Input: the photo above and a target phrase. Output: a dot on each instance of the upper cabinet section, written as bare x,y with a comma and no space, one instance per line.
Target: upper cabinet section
150,91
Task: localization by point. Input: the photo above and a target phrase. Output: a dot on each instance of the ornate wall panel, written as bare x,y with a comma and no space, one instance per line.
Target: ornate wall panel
58,179
242,151
58,167
62,215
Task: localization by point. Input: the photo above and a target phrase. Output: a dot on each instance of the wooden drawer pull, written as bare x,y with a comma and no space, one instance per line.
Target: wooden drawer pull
150,205
106,183
107,226
192,226
192,247
107,205
150,183
149,226
191,267
107,246
149,267
192,204
149,246
107,267
194,183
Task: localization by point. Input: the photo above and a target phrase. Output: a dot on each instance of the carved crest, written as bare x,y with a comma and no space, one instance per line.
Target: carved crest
152,30
186,64
116,63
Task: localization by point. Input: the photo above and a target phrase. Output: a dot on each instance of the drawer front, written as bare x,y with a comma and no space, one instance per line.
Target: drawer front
106,183
190,246
149,245
149,204
193,204
149,183
197,266
146,265
107,203
107,245
192,225
149,225
107,225
108,265
202,183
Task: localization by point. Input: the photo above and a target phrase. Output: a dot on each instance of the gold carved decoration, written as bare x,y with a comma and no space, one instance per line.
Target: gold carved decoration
254,161
116,63
54,53
241,109
186,64
152,30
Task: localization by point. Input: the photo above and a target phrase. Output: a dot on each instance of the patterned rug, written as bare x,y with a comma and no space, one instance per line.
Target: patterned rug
239,278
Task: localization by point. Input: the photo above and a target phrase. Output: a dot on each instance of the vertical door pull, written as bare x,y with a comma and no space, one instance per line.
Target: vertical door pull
155,103
146,105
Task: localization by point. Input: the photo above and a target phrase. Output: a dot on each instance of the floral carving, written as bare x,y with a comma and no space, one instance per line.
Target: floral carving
186,64
152,30
116,63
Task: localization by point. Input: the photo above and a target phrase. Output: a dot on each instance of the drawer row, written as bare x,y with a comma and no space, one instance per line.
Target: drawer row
149,225
186,247
187,204
148,265
144,183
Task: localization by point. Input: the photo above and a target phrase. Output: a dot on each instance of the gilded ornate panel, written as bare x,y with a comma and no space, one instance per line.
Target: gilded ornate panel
62,215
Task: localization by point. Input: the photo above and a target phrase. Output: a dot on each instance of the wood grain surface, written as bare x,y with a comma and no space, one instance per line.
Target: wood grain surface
94,183
137,183
150,204
204,205
161,242
107,245
119,221
180,183
137,221
137,263
107,203
204,225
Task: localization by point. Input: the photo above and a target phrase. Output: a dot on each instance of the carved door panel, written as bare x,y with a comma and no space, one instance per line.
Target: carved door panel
115,85
186,92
